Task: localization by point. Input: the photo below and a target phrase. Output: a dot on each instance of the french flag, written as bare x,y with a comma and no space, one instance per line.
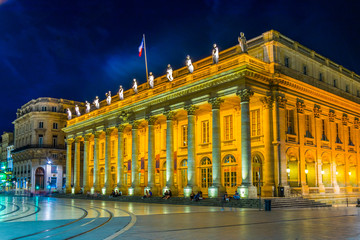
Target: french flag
141,47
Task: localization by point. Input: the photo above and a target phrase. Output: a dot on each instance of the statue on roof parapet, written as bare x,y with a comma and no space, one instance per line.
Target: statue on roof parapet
77,110
69,115
242,42
151,80
215,54
88,107
135,86
169,74
96,102
189,64
121,93
108,97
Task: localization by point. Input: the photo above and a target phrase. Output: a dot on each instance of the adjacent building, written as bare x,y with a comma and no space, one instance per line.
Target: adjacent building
39,145
280,116
7,145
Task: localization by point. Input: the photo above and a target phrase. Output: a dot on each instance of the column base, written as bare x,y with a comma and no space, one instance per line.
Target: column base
68,190
336,189
77,190
187,191
268,191
106,190
86,190
134,191
321,189
305,190
174,190
121,189
249,192
216,191
153,189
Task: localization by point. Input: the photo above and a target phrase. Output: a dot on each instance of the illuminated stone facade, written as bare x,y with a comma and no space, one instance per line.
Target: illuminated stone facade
280,115
39,152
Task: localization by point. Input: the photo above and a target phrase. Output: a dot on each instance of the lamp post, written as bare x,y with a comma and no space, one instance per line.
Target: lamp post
49,178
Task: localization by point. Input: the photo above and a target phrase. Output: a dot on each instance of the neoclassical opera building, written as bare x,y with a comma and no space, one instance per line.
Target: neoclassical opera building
279,116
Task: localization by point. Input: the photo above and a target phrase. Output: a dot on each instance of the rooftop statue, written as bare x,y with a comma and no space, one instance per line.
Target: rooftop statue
69,115
88,107
77,110
135,86
121,93
189,64
215,54
169,73
108,98
96,102
151,80
242,42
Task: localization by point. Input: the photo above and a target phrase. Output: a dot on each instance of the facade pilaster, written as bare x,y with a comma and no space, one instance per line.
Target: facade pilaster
68,164
77,165
120,160
301,136
191,173
247,189
269,187
216,189
86,164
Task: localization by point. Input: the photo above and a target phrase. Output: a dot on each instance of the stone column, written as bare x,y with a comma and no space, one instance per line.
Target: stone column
247,189
191,173
216,189
96,185
77,165
108,181
86,164
151,154
135,186
269,187
170,152
120,160
68,165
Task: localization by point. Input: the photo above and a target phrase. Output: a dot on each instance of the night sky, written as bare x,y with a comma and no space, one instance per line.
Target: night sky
79,49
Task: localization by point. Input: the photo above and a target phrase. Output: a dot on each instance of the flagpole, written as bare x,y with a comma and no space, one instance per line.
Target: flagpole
147,77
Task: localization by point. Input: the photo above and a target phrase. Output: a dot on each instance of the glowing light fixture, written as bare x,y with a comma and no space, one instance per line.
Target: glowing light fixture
306,171
322,172
349,173
288,170
337,173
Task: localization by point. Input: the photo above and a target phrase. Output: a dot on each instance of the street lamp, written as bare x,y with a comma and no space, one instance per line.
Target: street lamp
49,181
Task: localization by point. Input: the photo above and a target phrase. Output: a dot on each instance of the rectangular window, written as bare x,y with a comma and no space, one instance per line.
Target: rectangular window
53,182
184,135
255,126
54,140
350,137
228,127
290,121
347,88
54,156
305,70
205,131
287,62
320,77
324,130
55,126
308,126
41,139
53,109
358,93
43,108
338,135
335,83
41,124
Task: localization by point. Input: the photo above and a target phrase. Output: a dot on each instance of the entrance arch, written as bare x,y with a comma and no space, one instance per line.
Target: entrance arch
39,178
205,173
257,170
183,173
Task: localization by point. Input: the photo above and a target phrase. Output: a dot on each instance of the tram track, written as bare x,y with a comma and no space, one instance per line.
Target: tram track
8,213
2,207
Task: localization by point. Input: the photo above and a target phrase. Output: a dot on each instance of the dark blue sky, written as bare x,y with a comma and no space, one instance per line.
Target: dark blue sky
79,49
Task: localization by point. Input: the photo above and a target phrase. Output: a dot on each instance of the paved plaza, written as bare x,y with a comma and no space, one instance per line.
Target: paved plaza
51,218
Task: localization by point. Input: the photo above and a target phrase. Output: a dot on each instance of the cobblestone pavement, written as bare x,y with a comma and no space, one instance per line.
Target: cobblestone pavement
50,218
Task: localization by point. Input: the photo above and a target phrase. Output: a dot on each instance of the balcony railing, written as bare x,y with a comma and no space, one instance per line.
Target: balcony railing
30,146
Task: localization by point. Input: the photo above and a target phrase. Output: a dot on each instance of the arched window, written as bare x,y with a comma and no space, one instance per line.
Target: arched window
39,178
257,170
102,177
183,171
206,172
229,171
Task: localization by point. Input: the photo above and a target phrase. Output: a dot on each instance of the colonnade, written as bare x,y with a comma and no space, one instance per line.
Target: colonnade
247,189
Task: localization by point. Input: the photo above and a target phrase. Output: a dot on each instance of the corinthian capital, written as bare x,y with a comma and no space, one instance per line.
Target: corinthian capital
87,137
267,102
245,94
151,120
169,114
135,124
215,102
190,109
317,111
300,105
281,100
